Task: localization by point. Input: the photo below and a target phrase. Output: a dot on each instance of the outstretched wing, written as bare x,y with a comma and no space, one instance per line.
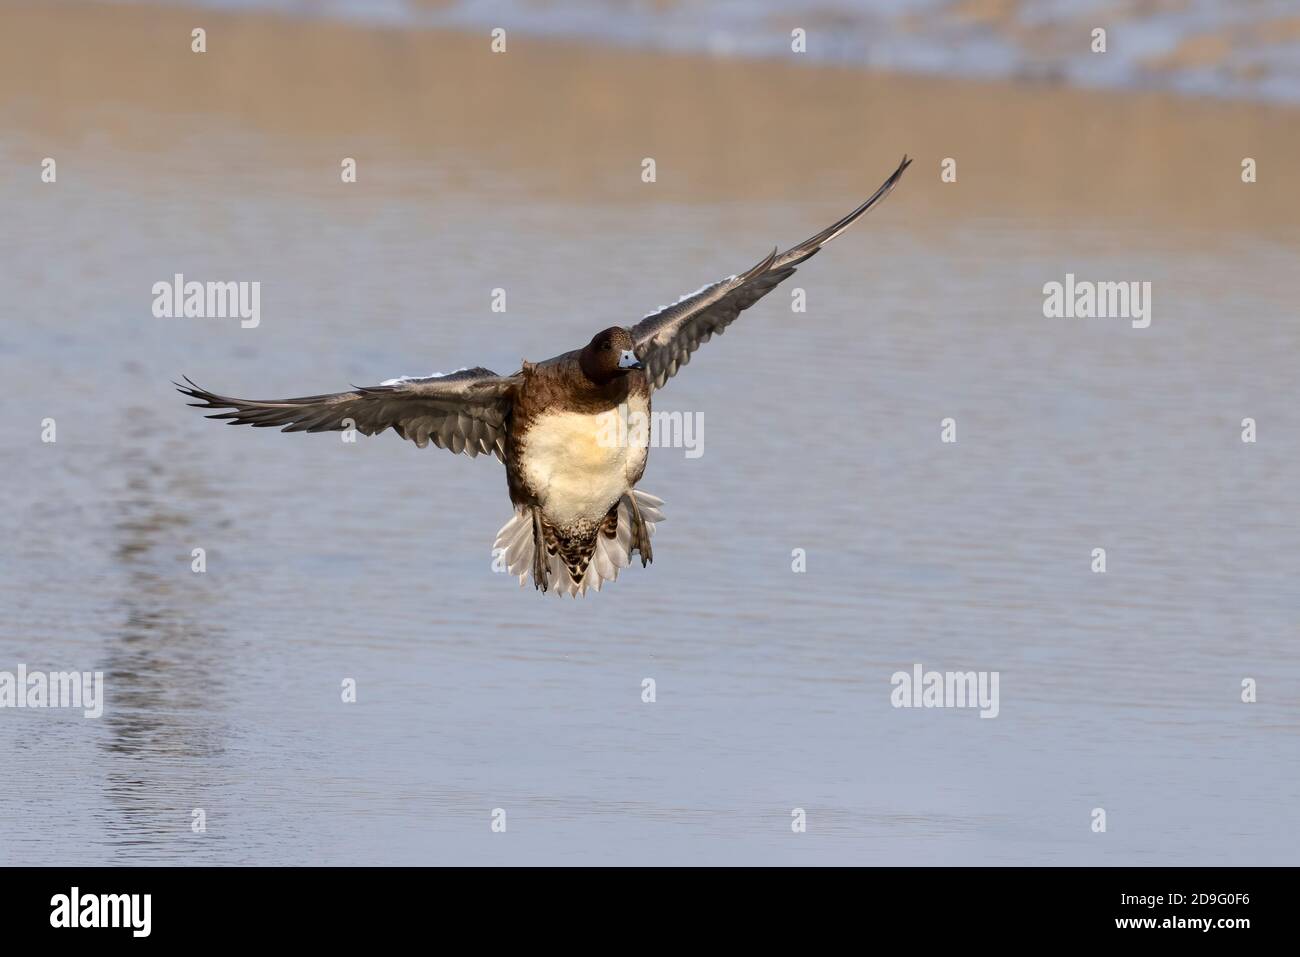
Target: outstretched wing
465,411
665,339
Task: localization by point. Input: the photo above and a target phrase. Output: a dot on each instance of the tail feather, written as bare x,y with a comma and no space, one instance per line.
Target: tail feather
514,547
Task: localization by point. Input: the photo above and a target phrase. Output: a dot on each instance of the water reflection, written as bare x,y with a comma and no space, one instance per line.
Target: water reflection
165,664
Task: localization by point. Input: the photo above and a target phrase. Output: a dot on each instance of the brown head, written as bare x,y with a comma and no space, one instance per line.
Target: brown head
609,355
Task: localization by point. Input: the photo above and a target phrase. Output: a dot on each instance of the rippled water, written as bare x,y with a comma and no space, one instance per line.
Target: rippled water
371,561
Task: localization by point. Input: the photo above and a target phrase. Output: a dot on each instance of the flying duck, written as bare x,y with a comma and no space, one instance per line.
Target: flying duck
579,517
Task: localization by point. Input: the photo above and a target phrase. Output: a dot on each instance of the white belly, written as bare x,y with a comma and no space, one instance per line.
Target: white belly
580,464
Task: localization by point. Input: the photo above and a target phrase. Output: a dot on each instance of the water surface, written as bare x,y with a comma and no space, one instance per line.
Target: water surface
328,561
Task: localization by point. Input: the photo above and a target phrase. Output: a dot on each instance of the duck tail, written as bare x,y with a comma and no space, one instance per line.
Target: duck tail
633,522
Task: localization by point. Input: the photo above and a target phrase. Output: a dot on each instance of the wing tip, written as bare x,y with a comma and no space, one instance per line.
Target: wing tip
193,390
762,266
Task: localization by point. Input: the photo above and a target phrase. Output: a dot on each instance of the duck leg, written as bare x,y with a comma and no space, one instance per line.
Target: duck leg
640,534
541,566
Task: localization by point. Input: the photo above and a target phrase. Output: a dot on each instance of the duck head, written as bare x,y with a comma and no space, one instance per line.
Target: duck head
609,355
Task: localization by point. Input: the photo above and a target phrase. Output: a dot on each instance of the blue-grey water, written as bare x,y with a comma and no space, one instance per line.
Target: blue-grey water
328,561
1246,49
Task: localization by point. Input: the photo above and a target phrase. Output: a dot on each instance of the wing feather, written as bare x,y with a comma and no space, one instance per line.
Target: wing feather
665,340
465,411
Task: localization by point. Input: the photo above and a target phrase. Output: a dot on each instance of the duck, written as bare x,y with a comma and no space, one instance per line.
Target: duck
572,476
